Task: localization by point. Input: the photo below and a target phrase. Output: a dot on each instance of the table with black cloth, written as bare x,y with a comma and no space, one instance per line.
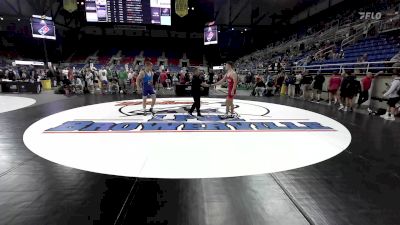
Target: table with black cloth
20,87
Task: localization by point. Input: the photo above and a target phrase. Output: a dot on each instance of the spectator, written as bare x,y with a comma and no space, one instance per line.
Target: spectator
104,80
114,87
11,75
175,79
66,85
122,81
77,86
393,94
319,81
291,85
349,88
306,85
89,78
260,87
279,83
366,83
163,79
2,74
297,84
333,87
182,78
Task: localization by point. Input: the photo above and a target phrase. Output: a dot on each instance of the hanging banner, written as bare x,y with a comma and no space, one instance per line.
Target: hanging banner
181,7
70,5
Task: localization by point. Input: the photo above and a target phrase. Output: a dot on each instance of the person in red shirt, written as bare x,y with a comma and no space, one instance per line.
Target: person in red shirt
182,77
333,87
163,78
366,83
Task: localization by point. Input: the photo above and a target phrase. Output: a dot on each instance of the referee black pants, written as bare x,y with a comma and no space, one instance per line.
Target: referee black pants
196,104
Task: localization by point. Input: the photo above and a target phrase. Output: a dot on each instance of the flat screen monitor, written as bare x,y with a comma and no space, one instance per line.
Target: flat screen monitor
211,35
157,12
43,27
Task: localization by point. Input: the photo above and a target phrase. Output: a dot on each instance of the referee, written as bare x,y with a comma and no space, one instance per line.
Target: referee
197,83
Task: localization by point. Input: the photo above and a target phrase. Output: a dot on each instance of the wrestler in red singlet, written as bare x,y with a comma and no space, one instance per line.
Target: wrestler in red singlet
231,78
231,82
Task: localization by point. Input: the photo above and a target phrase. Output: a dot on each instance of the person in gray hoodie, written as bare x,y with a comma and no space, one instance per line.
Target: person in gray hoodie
393,94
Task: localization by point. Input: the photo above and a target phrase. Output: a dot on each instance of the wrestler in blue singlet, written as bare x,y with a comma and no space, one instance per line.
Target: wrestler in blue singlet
148,88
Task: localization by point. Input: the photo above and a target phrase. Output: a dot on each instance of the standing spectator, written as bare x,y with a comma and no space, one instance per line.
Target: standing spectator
122,80
2,74
70,74
211,77
58,76
366,83
156,80
291,85
104,80
163,79
175,79
333,87
393,94
297,84
169,80
349,88
248,79
319,81
89,77
306,82
279,83
182,77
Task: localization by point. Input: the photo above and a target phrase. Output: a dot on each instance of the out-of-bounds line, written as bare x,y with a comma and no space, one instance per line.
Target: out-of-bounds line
16,166
131,195
122,213
292,199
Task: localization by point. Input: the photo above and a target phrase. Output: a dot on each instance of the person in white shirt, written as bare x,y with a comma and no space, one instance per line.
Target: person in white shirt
104,80
89,77
297,84
78,85
393,94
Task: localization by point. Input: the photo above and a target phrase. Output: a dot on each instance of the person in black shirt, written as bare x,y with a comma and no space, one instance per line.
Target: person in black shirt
2,74
211,78
348,90
197,83
260,88
66,85
306,82
319,80
11,74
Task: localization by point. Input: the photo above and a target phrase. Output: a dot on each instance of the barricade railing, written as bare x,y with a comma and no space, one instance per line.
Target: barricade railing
359,67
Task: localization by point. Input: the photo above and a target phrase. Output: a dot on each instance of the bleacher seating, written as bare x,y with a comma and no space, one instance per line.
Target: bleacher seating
377,48
173,61
103,60
152,53
127,60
